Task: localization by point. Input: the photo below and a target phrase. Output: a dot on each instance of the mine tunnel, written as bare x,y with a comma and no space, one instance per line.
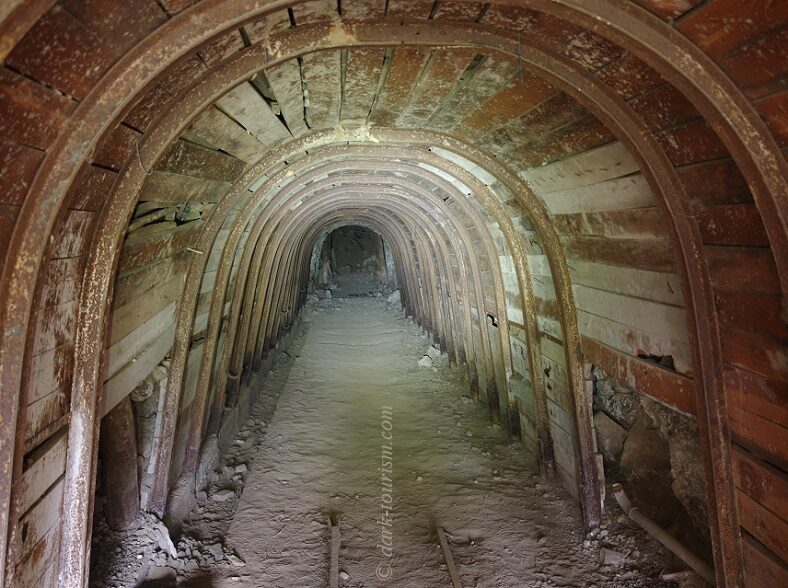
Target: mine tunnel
357,293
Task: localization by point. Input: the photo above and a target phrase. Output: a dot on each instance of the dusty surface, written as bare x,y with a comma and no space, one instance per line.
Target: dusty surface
313,450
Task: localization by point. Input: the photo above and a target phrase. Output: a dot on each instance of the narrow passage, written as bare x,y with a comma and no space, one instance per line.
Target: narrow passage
354,367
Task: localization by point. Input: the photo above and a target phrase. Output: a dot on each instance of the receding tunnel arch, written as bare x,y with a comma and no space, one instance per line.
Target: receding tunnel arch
501,31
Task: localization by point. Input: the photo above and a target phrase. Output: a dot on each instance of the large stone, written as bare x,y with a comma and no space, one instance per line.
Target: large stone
394,297
621,403
610,438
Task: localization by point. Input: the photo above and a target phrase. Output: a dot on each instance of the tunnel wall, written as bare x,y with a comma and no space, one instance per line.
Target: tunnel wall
732,201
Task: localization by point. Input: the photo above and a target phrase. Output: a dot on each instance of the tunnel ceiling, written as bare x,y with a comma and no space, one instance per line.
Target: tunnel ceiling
562,183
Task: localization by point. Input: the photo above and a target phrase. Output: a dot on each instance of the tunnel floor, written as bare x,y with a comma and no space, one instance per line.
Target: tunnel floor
313,450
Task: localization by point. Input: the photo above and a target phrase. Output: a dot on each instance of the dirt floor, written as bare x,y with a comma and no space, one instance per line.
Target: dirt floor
317,448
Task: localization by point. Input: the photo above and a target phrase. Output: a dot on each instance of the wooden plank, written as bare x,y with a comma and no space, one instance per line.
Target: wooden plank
519,96
668,9
438,79
363,10
29,112
362,78
314,11
75,59
556,111
648,285
189,159
39,569
754,352
405,68
662,320
128,347
751,311
763,437
756,394
18,166
692,143
749,268
120,23
575,138
652,255
117,148
459,11
634,342
247,107
774,111
141,251
74,234
126,379
664,106
322,76
222,48
40,519
715,183
125,319
759,66
763,483
520,19
732,224
603,163
666,386
492,75
407,9
639,223
220,131
455,577
763,525
285,81
719,27
761,568
130,286
63,281
629,76
173,188
91,188
50,371
44,412
41,469
55,326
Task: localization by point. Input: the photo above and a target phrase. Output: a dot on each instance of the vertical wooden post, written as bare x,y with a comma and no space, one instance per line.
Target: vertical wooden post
118,454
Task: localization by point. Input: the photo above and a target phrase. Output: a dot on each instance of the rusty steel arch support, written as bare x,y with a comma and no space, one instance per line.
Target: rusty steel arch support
206,359
23,279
